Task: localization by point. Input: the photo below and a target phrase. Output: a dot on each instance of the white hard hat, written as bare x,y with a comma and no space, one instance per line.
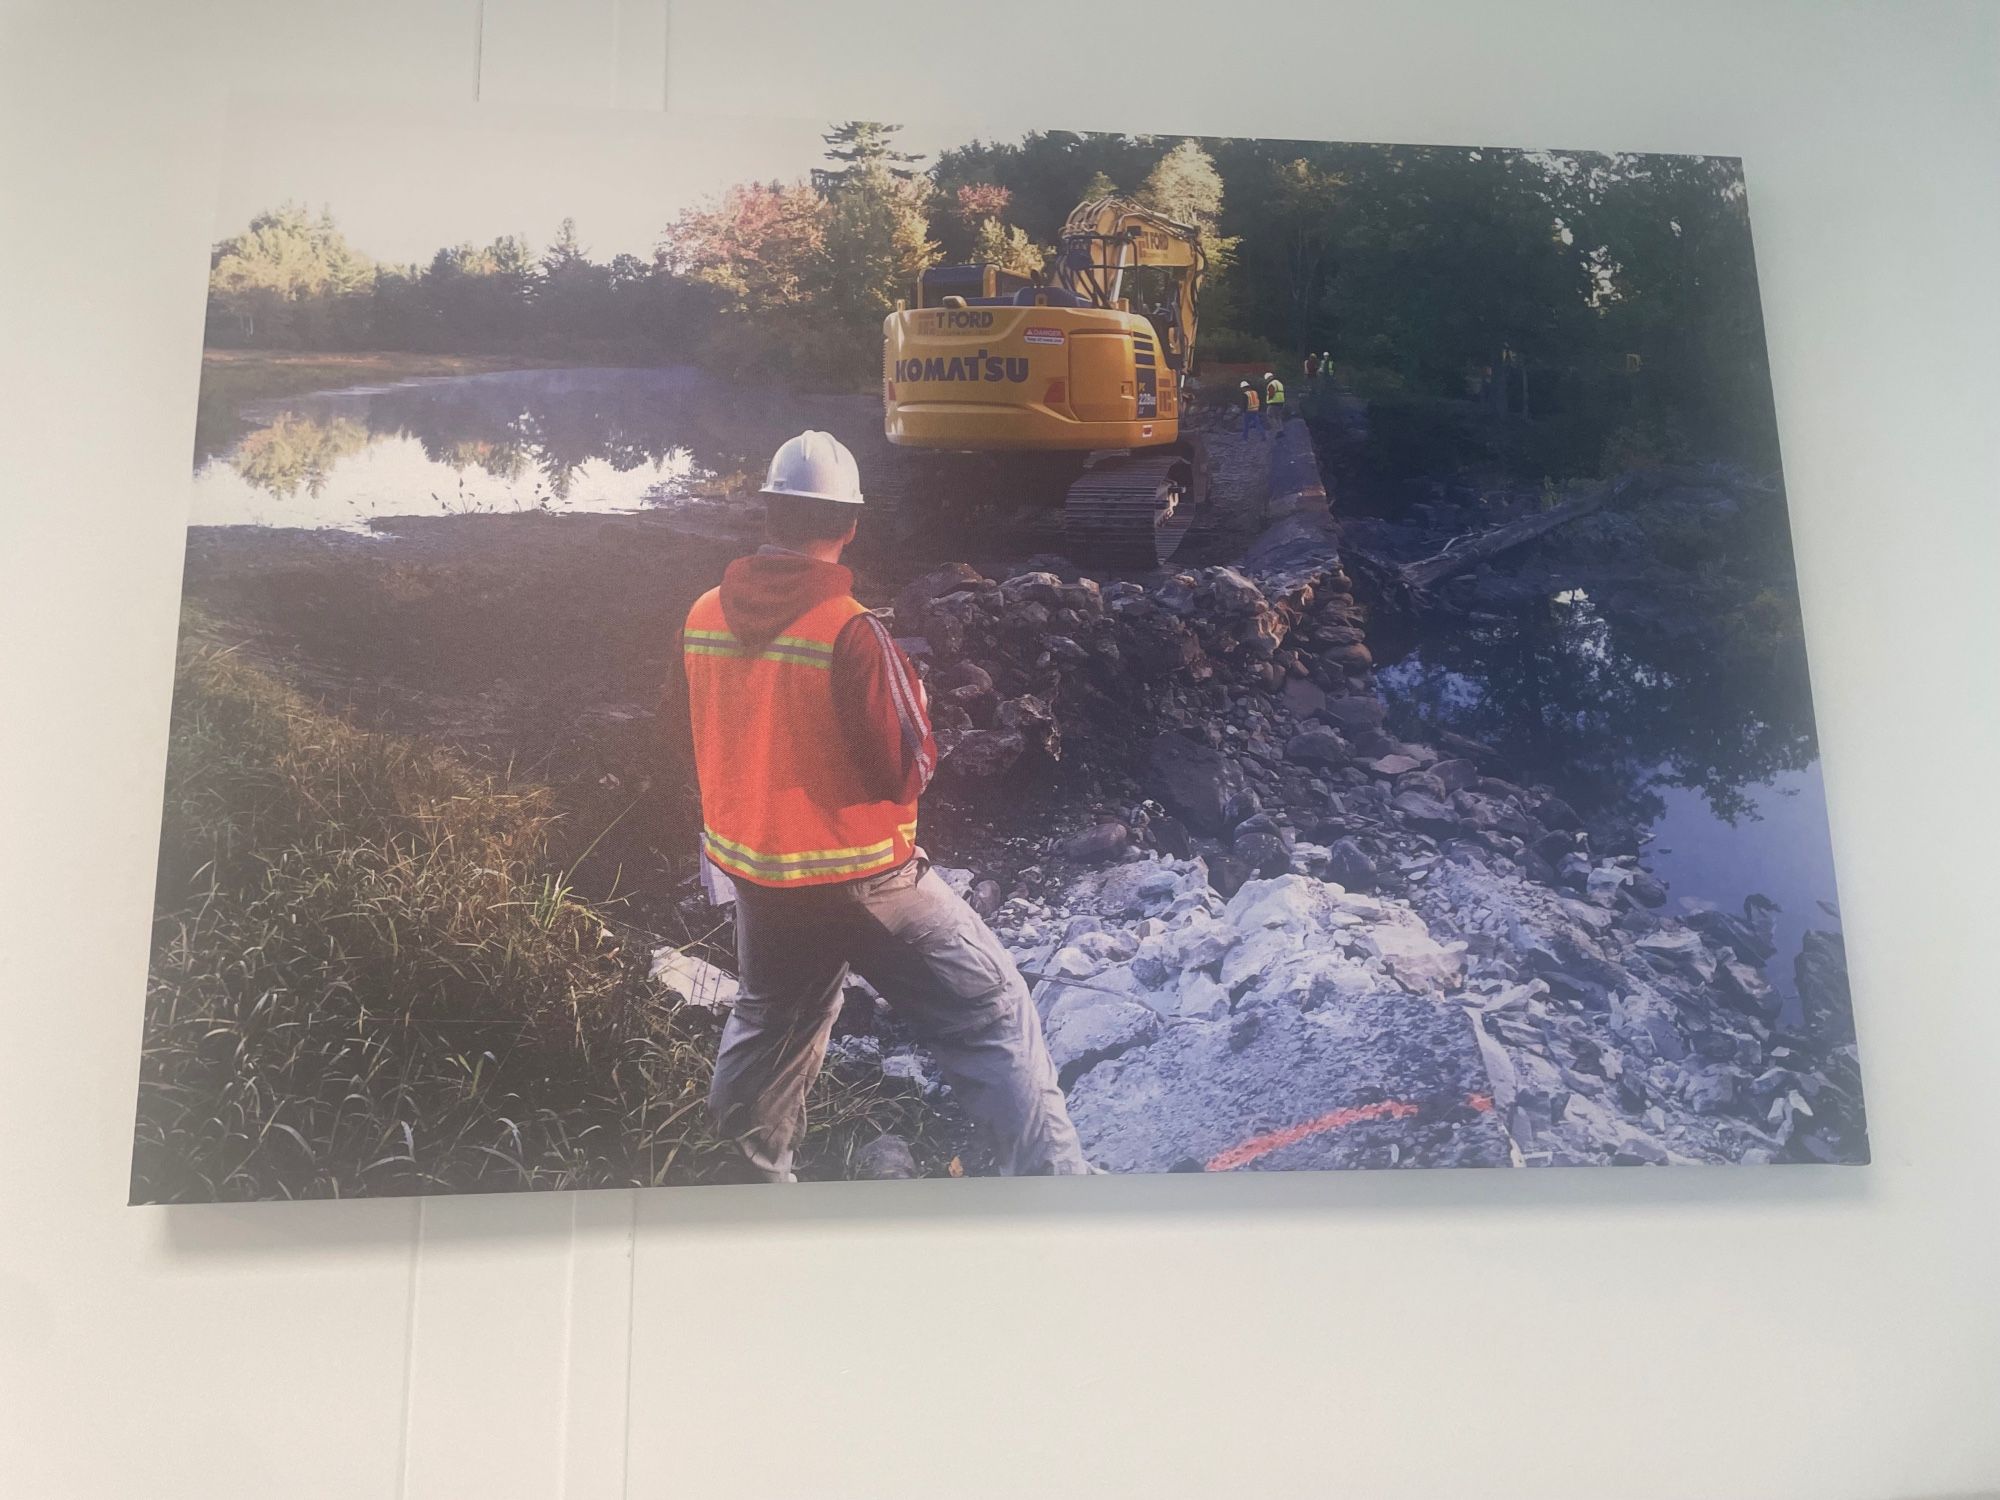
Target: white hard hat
814,466
1243,384
1269,376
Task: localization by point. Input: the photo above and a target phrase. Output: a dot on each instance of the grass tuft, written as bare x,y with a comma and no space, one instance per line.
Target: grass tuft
367,979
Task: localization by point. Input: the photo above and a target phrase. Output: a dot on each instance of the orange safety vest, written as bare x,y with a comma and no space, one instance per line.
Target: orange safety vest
783,802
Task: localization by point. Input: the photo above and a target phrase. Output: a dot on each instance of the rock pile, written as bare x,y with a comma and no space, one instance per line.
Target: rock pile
1187,1028
1300,941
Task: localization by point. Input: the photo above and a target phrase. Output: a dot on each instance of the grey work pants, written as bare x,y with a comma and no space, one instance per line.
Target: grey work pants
931,957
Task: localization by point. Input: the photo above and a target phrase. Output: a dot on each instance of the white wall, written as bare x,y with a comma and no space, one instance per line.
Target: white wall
1767,1332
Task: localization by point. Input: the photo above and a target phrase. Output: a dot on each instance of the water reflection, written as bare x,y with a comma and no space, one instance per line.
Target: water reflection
294,451
532,439
1691,724
1713,700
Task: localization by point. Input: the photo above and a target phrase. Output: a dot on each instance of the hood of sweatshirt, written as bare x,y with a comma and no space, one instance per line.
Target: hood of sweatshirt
766,591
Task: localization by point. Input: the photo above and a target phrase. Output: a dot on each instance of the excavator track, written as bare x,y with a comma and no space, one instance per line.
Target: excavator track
1128,510
910,490
1133,510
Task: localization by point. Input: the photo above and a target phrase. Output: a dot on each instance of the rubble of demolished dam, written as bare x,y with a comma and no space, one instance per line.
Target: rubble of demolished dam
1291,940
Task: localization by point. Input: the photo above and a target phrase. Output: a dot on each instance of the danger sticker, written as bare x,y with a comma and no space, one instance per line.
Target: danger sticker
1146,430
1042,335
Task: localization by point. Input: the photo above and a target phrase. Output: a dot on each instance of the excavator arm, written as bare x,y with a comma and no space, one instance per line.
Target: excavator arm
1106,237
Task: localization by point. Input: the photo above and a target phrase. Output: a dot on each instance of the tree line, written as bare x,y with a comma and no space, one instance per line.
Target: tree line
1609,294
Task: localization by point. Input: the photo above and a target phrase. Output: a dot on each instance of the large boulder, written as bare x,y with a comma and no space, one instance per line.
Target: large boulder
1033,588
1158,645
1347,864
1304,697
1193,781
1647,1024
983,754
1744,988
1106,841
1354,712
1140,888
1418,960
886,1158
914,603
969,687
1316,747
1294,904
1084,1027
1369,1080
1426,812
1030,718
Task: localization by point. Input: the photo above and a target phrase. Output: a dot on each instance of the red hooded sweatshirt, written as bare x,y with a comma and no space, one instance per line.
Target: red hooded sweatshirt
875,689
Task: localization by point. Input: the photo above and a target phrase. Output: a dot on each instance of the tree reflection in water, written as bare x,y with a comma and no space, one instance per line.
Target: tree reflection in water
1712,696
296,451
545,437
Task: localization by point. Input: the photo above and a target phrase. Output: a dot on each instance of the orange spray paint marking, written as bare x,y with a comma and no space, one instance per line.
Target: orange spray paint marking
1275,1140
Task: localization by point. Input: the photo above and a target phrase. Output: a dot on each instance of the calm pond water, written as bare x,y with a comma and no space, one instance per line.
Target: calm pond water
1702,738
557,440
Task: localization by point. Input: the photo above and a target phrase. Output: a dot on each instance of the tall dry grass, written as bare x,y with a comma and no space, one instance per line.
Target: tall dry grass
367,979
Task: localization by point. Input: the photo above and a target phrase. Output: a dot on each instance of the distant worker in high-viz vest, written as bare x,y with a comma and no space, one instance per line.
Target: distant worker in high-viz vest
812,743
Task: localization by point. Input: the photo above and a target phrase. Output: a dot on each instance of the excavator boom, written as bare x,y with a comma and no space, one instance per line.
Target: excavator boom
1106,237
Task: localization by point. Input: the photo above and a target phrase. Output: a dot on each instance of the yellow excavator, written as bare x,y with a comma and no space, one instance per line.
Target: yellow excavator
1083,390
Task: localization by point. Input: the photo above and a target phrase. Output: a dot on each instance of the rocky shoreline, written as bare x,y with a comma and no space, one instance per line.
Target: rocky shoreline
1285,939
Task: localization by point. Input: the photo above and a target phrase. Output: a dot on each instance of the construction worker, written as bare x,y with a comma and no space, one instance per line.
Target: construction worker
812,744
1274,400
1312,370
1252,415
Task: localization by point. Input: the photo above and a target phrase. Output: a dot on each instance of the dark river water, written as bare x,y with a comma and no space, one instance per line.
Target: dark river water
1700,738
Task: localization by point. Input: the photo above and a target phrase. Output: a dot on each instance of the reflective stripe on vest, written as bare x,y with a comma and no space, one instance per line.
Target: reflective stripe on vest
784,802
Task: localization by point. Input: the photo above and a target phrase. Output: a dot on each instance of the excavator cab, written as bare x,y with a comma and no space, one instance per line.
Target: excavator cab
981,285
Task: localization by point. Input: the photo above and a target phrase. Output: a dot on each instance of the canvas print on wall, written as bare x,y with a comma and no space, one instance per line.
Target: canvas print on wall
762,650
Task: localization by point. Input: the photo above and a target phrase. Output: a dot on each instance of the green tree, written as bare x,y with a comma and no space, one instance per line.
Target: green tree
1047,173
290,279
958,214
1185,185
565,251
1006,246
574,296
856,147
1674,277
877,244
1304,200
763,245
481,296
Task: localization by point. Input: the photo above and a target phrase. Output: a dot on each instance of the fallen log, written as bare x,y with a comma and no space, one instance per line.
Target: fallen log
1467,552
1410,585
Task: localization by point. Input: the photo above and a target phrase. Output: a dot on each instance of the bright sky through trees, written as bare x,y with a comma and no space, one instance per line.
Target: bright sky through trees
406,181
